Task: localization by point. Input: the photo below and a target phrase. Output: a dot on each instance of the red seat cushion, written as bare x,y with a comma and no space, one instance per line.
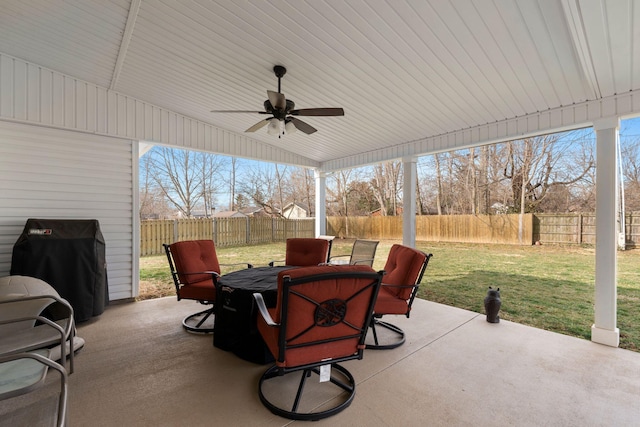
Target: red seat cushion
201,291
304,252
389,303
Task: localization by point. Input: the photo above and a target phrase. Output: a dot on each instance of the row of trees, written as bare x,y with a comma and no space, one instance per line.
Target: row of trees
551,173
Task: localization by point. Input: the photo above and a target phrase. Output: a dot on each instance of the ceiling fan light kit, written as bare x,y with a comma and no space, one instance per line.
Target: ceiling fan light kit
283,110
274,127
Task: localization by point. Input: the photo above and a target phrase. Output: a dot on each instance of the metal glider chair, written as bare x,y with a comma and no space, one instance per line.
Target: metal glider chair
320,319
404,269
195,270
21,373
24,326
362,253
303,252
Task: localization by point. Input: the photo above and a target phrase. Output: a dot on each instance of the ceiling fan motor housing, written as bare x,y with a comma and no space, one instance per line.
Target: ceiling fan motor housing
287,109
279,114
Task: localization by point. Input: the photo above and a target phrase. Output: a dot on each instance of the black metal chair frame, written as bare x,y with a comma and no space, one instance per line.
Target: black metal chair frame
375,319
186,322
347,383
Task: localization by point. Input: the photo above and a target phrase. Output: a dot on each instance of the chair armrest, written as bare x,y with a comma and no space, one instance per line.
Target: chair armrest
272,263
215,273
237,263
66,333
334,260
262,307
363,261
69,325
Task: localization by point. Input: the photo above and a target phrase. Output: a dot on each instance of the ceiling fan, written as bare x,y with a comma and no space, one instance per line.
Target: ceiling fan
283,111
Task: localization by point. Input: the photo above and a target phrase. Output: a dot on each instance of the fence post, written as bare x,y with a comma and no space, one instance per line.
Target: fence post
175,230
248,231
580,228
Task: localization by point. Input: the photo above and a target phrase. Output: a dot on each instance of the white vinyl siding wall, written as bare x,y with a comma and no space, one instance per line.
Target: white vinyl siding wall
51,173
33,94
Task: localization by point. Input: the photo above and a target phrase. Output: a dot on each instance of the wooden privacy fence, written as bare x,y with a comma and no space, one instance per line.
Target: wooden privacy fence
223,231
578,228
437,228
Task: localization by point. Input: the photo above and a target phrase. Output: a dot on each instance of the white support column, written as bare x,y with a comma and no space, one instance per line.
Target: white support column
321,197
410,173
604,330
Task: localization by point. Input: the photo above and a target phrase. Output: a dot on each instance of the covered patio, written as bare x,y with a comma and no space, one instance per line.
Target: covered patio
140,368
86,86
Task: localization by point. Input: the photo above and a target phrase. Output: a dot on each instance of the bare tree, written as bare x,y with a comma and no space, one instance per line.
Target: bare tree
232,184
631,172
386,184
188,180
210,167
176,174
535,165
302,187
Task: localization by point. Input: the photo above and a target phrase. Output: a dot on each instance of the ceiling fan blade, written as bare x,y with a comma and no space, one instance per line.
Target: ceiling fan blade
238,111
258,125
318,112
302,126
277,100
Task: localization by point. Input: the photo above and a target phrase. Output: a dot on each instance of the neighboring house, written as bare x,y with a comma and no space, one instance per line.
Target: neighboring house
194,214
228,214
255,211
296,211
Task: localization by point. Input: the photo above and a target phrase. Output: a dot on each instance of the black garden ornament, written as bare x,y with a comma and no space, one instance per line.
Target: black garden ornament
492,303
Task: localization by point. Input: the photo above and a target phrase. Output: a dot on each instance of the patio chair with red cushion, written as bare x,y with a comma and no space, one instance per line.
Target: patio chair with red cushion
195,270
304,252
404,269
320,319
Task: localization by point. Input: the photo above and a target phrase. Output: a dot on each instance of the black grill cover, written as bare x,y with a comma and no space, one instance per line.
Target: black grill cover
70,256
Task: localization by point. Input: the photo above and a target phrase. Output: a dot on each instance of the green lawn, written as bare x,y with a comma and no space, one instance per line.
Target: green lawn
548,287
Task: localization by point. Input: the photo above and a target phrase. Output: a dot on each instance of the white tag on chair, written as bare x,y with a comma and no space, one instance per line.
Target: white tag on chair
325,373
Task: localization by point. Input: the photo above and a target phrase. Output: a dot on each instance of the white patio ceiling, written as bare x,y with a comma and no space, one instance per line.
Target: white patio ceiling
403,70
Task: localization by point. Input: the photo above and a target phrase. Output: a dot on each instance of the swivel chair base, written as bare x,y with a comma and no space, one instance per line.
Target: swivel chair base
389,326
342,379
194,322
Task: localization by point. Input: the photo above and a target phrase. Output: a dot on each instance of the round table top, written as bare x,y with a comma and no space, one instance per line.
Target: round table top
257,279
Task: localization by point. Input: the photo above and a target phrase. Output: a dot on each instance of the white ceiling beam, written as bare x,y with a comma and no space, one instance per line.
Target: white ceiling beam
573,16
126,39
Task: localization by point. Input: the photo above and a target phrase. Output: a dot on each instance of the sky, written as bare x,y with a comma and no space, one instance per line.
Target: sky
629,128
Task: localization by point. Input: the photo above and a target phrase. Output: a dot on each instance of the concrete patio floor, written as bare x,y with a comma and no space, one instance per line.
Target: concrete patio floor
140,368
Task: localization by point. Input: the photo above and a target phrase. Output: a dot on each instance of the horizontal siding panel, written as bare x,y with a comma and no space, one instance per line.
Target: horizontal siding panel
79,176
73,104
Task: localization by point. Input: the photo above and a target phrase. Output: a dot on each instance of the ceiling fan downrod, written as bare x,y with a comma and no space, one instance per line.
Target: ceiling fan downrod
279,71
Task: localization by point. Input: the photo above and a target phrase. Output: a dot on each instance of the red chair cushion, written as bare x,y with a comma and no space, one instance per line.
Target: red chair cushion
201,291
403,267
304,252
195,256
301,314
389,303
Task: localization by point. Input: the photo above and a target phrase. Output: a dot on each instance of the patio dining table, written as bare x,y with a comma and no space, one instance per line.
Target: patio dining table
235,327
